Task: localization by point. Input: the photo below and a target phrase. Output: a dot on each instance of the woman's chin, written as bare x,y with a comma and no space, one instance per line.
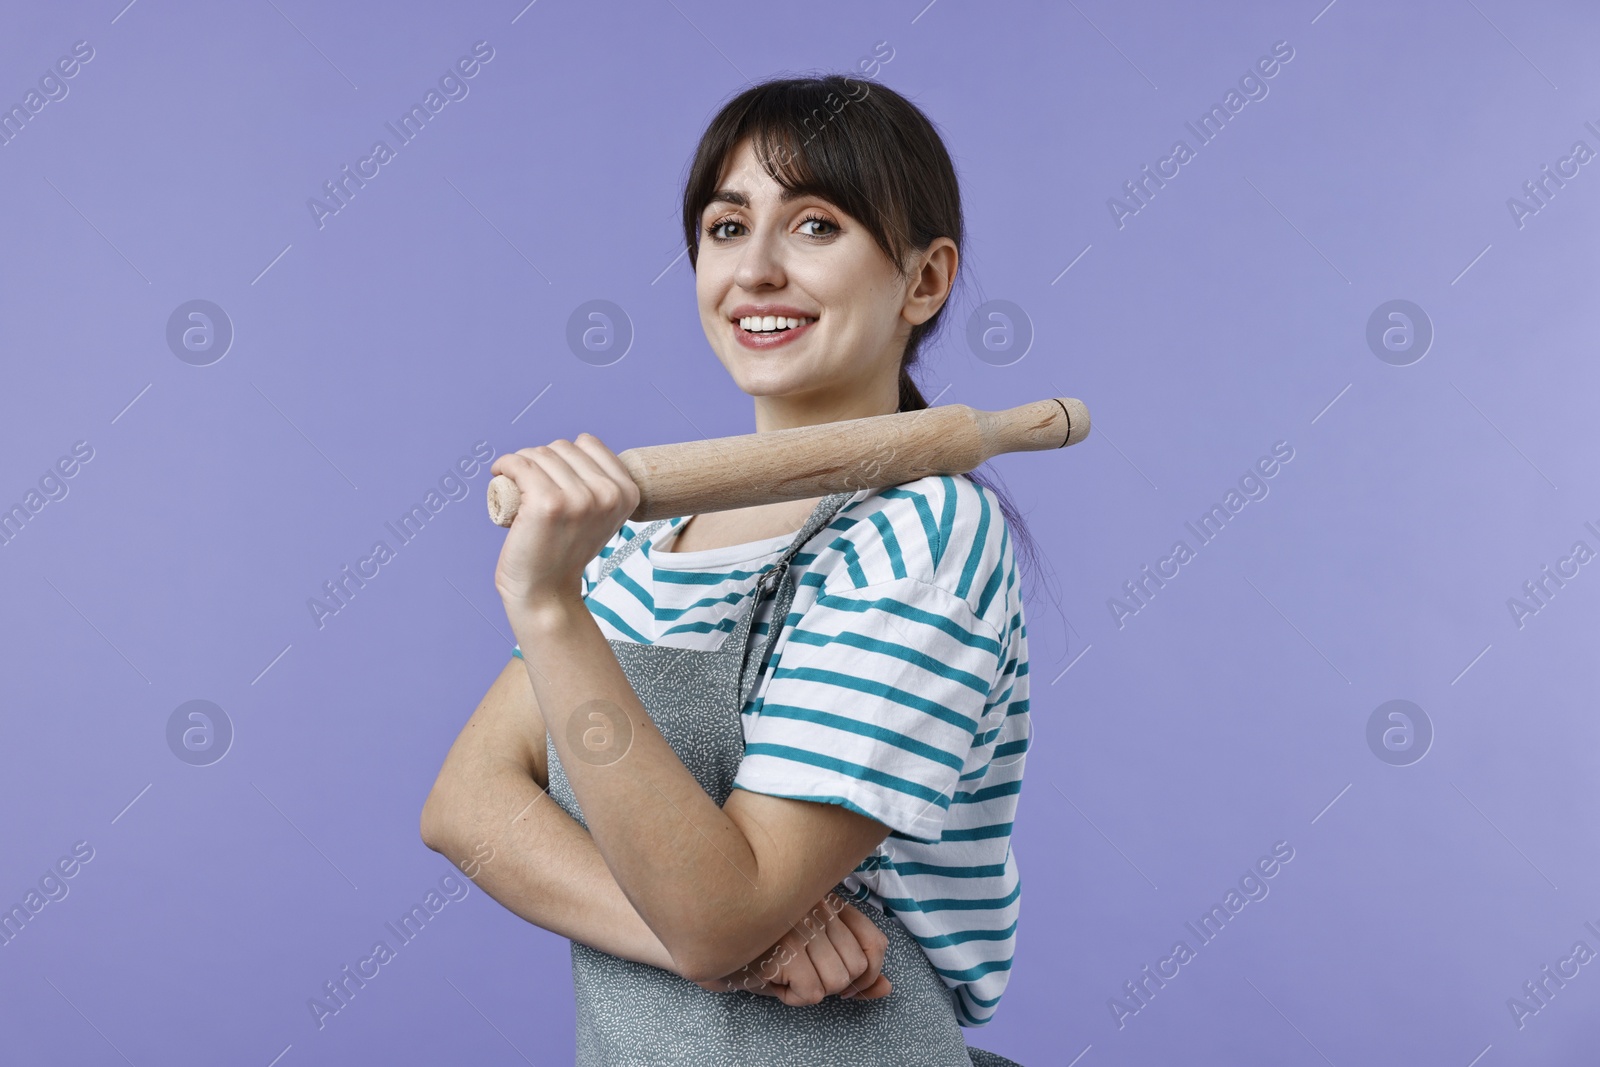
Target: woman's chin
756,375
768,390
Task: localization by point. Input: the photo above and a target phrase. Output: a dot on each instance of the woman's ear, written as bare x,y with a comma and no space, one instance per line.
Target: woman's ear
933,272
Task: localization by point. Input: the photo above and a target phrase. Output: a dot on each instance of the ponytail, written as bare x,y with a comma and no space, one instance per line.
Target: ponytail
1024,547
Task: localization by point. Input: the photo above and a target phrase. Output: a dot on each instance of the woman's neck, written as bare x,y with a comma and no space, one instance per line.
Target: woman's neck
788,412
740,526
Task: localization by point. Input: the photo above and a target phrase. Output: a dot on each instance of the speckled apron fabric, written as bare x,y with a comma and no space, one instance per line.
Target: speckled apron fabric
632,1014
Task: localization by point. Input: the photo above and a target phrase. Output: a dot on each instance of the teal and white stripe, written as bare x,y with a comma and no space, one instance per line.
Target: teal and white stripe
898,689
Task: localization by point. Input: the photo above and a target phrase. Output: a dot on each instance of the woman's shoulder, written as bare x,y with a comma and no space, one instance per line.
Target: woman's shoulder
943,530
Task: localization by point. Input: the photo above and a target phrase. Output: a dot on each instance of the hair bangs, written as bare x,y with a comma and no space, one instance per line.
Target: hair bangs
793,129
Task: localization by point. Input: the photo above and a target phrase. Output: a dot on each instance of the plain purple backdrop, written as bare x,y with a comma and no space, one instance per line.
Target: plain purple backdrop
1172,748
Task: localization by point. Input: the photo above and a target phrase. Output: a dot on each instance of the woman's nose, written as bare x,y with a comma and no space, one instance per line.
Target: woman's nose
760,262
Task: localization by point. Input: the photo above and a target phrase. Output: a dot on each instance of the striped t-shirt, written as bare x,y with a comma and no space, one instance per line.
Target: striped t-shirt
898,688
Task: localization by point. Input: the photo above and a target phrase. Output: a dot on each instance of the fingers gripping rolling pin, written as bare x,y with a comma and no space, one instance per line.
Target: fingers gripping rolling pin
722,473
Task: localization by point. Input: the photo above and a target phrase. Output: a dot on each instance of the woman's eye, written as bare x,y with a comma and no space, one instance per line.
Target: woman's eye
820,222
716,228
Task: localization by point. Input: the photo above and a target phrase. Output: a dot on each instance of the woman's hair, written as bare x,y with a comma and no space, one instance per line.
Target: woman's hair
872,153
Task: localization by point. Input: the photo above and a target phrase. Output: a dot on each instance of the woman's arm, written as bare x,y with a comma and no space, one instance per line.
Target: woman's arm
488,813
716,884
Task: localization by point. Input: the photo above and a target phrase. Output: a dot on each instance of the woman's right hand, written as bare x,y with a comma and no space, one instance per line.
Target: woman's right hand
833,950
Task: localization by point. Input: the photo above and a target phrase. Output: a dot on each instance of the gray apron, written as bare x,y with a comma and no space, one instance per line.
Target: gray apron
631,1013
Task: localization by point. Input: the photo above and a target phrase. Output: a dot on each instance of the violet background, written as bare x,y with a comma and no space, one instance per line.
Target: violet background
431,313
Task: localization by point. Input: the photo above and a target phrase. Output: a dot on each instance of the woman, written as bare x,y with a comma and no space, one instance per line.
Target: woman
741,712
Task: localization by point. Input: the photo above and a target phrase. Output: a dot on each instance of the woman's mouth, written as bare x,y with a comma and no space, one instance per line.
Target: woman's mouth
769,331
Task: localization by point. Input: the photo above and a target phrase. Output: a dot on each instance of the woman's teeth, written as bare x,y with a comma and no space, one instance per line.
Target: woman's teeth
769,323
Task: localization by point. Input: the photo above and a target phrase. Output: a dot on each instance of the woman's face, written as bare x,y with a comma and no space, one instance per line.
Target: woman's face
801,259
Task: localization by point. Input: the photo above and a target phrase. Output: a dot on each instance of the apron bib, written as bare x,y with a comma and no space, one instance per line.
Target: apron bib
631,1013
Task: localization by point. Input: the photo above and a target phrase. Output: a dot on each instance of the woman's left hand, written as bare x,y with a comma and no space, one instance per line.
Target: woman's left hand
574,497
843,957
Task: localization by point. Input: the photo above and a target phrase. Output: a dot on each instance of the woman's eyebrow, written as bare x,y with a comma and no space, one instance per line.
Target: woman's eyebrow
733,196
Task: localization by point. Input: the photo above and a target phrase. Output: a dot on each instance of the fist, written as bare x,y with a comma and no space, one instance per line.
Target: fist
575,496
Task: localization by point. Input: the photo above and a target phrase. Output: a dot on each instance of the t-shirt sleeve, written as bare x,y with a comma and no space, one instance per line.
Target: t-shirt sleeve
873,704
591,571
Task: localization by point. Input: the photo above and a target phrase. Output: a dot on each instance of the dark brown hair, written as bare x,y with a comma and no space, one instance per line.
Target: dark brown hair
874,155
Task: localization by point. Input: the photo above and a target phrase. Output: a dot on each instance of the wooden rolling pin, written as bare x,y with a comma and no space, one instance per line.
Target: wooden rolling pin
722,473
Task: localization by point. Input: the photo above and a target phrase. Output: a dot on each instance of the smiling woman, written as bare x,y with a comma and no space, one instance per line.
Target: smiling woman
736,718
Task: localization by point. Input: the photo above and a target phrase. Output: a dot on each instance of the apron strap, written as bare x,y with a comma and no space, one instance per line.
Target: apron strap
614,560
778,575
